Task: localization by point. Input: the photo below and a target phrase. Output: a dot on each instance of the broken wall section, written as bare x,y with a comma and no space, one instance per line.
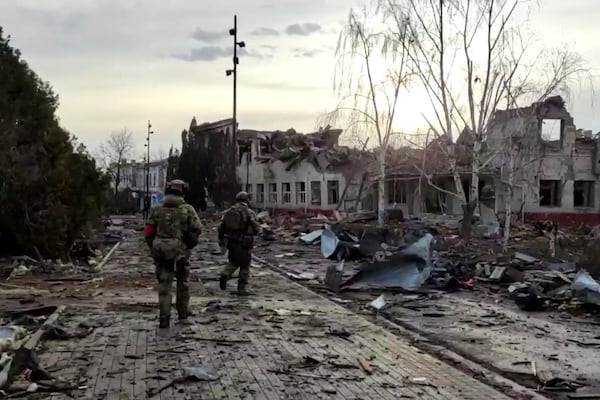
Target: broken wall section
552,163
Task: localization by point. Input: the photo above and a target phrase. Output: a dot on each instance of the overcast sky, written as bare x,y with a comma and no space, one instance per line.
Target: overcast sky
118,63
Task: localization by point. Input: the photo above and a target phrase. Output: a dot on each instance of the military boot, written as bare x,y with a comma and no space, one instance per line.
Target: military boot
183,316
223,282
241,290
163,323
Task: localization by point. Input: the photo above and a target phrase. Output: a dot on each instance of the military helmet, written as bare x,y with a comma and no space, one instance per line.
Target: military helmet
242,197
177,184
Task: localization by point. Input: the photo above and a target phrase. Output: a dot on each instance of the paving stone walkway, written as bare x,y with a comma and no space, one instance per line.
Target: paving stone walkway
284,342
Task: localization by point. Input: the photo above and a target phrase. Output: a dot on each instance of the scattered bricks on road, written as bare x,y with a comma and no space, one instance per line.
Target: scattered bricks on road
276,344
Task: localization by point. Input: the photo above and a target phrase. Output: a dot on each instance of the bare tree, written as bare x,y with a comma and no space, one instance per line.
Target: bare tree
470,56
160,154
369,97
114,152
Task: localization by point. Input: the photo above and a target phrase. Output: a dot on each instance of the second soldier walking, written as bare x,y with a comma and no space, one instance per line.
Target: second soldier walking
238,228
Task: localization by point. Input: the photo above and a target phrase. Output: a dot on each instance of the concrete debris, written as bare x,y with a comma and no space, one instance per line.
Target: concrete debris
525,258
586,288
381,257
379,302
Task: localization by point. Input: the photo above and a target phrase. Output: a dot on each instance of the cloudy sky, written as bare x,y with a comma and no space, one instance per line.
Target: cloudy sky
118,63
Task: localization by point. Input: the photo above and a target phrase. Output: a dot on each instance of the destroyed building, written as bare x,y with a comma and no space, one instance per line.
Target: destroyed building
311,172
407,185
552,167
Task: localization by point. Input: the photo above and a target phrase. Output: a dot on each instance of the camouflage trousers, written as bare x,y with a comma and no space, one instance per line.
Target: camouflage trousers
166,270
239,257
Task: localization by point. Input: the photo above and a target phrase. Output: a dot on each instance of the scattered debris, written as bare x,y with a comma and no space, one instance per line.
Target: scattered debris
194,373
408,269
365,365
586,288
379,302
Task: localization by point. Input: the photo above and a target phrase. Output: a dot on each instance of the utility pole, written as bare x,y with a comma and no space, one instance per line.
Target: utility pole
147,194
236,61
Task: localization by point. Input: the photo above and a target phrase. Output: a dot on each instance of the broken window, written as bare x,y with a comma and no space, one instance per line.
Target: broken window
272,193
244,148
551,129
315,193
397,191
583,194
263,148
549,193
260,193
333,192
286,190
300,193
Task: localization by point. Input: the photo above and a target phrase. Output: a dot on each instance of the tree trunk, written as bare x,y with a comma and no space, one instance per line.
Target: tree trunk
508,200
467,224
467,208
381,187
117,181
455,175
475,171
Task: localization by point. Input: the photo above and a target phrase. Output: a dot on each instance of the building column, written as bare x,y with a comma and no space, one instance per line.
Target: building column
567,195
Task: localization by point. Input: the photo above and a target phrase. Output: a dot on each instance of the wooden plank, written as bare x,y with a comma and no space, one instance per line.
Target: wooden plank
107,256
226,379
33,341
139,390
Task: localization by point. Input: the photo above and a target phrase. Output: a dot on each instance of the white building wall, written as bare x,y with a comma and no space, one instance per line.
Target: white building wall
274,172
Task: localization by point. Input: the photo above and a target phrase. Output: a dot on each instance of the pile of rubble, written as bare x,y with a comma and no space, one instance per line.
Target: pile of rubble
426,253
20,333
84,256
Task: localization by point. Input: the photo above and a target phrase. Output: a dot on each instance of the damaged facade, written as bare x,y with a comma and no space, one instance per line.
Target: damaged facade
310,172
407,188
553,166
134,178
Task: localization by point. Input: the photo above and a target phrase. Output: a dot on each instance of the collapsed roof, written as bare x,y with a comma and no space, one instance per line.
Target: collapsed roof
321,148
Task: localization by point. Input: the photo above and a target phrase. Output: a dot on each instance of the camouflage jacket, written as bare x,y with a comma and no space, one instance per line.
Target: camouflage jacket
172,229
239,223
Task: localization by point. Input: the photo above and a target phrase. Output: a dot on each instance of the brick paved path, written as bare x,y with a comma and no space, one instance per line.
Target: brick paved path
282,343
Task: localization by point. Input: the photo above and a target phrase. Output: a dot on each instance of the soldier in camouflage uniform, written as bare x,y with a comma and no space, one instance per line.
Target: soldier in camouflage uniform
171,231
236,233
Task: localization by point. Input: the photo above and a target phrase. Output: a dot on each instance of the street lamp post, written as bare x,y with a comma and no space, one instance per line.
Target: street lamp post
236,61
147,194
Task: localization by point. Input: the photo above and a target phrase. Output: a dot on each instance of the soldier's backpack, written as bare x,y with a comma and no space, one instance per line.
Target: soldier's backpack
171,224
235,222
